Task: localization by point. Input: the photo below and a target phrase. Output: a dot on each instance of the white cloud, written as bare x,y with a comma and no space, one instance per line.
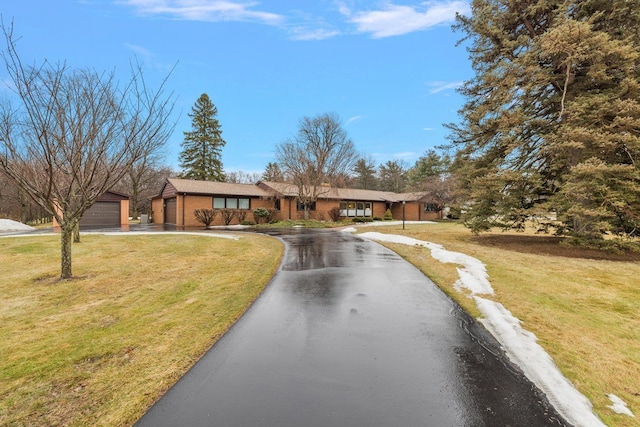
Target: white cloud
204,10
428,129
353,119
437,87
304,33
394,20
139,50
405,155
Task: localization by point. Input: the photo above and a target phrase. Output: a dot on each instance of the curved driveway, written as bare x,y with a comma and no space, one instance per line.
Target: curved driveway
349,334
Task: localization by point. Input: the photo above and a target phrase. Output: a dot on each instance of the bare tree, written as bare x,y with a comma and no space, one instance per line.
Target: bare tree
239,177
16,204
142,181
73,134
319,154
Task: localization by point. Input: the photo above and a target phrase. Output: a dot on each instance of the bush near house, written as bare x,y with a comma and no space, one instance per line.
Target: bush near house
264,215
334,214
241,215
361,219
227,215
205,216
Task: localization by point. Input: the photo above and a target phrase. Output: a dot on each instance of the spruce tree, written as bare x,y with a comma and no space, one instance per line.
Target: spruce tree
365,174
202,146
431,164
392,176
552,117
272,172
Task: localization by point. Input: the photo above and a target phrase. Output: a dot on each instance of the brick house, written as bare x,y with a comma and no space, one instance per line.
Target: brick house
179,198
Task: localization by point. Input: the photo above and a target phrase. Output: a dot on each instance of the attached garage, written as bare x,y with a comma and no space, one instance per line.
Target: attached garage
170,210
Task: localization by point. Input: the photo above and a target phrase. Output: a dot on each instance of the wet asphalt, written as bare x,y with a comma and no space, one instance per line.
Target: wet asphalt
350,334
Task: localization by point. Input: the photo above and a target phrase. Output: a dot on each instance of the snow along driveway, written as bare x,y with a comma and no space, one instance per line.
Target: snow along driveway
520,345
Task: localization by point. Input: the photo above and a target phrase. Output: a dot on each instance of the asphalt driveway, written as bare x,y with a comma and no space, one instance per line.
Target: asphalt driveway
349,334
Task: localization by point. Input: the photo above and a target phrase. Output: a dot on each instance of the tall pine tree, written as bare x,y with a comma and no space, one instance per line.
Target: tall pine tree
202,146
552,117
365,174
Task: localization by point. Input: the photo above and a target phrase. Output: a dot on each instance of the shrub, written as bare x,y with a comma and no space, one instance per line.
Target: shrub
387,215
262,215
245,222
377,218
360,219
205,216
227,215
241,214
334,214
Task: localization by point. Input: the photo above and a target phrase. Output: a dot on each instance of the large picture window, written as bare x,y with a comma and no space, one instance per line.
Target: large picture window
353,209
231,203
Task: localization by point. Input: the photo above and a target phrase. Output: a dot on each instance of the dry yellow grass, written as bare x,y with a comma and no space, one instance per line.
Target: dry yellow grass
99,349
585,312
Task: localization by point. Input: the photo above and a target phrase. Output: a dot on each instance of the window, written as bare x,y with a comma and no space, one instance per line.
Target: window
300,206
243,203
353,209
431,207
218,203
276,204
231,203
367,209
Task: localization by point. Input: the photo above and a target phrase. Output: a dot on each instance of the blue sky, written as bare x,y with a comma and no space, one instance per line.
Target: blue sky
389,69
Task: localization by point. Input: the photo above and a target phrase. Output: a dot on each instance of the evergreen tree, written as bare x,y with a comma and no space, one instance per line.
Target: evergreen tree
272,172
556,94
365,174
202,147
392,176
431,164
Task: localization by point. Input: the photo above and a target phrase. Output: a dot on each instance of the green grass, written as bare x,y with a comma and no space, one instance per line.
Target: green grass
101,348
585,312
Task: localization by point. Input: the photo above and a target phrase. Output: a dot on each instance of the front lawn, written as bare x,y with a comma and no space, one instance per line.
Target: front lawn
100,349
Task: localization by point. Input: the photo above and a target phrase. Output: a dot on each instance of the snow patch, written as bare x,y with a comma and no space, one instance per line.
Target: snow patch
9,225
473,273
522,348
619,406
520,345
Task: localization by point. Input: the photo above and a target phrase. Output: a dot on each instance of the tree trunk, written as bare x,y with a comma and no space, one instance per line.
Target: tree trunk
76,233
66,236
306,212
